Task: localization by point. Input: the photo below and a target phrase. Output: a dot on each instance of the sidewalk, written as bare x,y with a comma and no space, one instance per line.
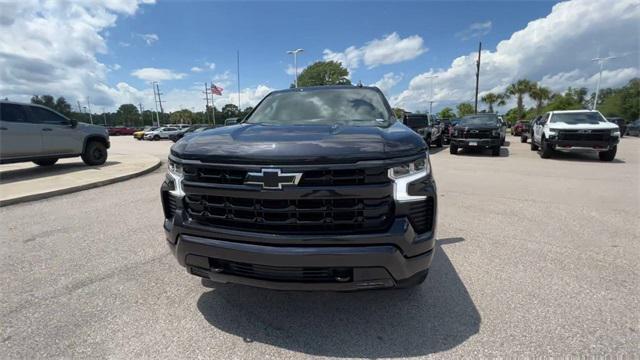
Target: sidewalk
26,181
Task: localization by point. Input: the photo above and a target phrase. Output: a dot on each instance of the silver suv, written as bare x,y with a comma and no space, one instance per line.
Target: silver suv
36,133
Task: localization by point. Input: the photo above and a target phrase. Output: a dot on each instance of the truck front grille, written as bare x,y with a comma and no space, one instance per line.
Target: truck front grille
577,135
291,215
478,134
339,177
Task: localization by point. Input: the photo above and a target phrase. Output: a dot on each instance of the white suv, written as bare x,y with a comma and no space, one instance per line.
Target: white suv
161,133
572,130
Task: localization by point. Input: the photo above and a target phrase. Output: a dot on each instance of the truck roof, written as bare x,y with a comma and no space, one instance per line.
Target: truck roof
572,111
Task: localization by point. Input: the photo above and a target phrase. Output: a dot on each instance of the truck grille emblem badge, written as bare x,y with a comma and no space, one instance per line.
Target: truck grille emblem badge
272,178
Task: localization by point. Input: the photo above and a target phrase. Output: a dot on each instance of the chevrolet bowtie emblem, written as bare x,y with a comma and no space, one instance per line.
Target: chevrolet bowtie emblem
272,179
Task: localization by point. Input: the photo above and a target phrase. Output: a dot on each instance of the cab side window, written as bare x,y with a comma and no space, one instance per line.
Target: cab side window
170,129
44,116
13,113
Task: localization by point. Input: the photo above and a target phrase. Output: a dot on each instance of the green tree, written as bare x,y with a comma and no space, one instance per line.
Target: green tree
324,73
623,102
183,116
491,98
229,110
464,109
399,112
60,104
539,94
127,115
519,89
446,113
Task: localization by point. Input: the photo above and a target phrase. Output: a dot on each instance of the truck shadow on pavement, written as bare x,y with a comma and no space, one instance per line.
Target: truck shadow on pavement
581,157
437,316
35,172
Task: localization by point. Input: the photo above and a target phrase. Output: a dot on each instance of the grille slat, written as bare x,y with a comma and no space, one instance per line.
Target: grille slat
291,216
421,215
339,177
281,273
593,135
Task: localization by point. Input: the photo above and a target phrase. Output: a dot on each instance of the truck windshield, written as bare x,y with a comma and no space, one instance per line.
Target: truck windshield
479,120
578,118
352,106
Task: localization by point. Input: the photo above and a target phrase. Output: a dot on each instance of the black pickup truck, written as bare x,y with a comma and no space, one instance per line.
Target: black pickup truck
480,131
317,189
428,126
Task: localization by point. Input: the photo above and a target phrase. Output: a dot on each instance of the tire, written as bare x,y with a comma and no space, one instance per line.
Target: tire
95,153
45,162
453,149
547,151
534,147
523,139
156,138
413,281
495,151
608,155
439,142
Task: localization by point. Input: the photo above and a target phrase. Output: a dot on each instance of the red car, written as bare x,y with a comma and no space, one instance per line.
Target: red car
121,130
519,128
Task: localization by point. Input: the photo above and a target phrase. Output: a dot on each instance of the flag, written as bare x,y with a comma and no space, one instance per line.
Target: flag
215,90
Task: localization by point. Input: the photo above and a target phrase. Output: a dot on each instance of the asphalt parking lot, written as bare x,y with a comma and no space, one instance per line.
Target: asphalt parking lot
535,258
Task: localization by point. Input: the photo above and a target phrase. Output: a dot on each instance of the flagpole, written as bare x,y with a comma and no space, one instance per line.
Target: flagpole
238,65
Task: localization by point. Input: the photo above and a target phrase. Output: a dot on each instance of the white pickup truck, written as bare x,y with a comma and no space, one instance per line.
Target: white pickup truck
575,130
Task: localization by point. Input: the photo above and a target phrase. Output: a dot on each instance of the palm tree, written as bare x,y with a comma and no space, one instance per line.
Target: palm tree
540,94
519,89
491,98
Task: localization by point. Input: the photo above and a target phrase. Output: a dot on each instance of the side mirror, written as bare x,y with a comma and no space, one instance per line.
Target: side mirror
74,123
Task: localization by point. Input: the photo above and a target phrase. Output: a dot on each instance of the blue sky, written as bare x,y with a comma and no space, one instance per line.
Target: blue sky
107,53
198,32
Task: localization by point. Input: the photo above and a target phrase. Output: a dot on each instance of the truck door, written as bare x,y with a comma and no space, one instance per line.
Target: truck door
18,136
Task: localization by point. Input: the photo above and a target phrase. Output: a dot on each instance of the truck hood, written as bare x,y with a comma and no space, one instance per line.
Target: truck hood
279,144
565,126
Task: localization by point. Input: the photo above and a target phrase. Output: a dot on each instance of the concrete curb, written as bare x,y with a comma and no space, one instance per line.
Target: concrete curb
72,189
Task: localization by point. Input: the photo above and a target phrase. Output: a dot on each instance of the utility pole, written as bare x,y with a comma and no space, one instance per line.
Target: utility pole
89,104
600,61
159,99
295,62
206,97
477,76
155,102
104,114
141,117
79,107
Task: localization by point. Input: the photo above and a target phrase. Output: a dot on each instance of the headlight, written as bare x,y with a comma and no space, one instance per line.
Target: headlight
412,168
404,174
615,132
175,169
553,132
495,133
177,173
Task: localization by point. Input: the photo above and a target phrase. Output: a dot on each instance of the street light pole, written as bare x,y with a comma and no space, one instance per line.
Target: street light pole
601,61
295,62
431,77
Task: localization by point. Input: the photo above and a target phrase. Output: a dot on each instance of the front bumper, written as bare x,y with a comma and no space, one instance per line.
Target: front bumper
280,261
475,143
597,145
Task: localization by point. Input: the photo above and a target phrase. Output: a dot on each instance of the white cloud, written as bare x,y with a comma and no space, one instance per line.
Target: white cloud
291,70
223,79
50,47
197,69
556,50
391,49
388,81
210,65
155,74
149,38
475,30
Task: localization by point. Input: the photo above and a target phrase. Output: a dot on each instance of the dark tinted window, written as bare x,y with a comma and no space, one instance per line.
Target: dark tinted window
13,113
578,118
170,129
481,120
351,106
44,116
